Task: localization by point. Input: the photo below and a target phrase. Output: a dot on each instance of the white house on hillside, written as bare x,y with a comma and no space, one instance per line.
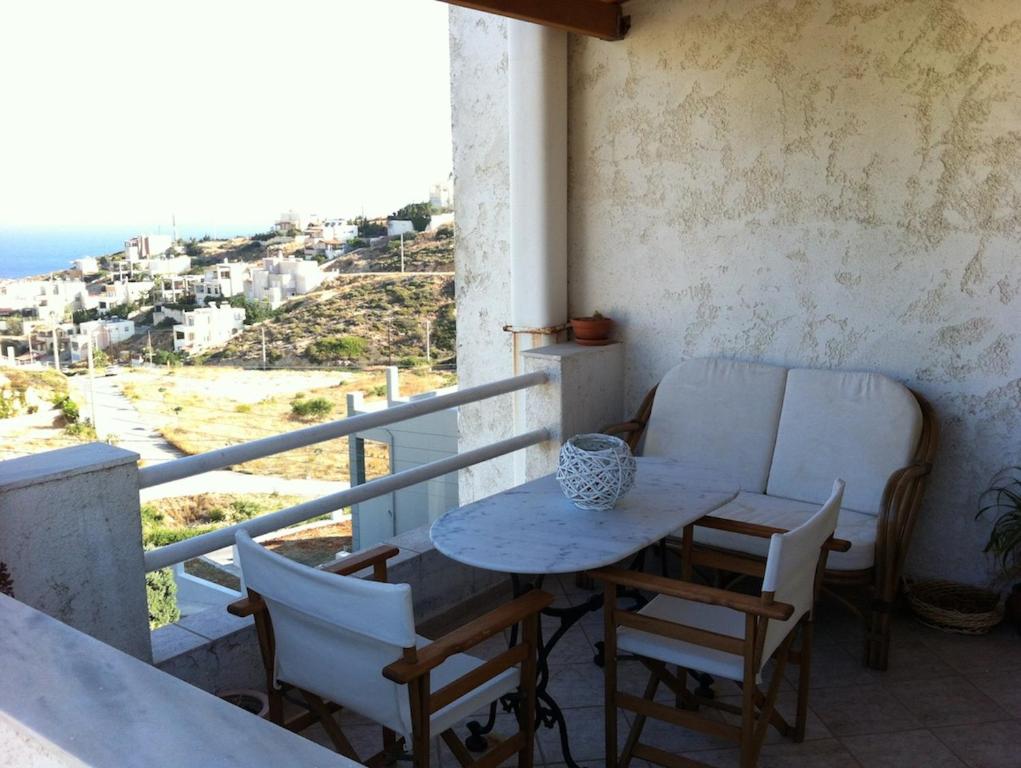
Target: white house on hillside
281,277
143,247
122,293
49,299
222,281
172,288
208,327
102,333
85,266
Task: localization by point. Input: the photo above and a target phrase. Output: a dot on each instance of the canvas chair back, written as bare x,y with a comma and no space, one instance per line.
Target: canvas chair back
335,634
792,563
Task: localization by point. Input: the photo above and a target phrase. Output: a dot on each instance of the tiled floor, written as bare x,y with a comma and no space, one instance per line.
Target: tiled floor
946,701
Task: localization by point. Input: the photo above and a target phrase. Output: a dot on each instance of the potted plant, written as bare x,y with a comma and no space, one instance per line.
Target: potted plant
1003,498
592,331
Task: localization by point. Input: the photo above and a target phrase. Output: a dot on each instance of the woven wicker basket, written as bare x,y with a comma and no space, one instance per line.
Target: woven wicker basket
954,607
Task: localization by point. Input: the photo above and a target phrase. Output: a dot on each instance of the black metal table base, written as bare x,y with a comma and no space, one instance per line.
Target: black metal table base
547,712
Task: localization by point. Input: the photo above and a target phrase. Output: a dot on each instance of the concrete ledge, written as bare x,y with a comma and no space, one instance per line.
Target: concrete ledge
213,650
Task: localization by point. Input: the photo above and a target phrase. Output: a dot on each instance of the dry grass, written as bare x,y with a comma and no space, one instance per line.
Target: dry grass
202,408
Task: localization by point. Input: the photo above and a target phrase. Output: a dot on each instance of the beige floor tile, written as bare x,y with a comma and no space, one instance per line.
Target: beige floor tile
786,705
1002,687
586,734
908,749
947,701
852,710
825,753
986,745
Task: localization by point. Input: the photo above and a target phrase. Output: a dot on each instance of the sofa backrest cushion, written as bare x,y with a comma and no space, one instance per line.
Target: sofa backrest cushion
720,414
858,426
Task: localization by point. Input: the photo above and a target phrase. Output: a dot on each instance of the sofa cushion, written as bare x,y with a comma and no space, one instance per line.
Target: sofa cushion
720,414
857,426
856,527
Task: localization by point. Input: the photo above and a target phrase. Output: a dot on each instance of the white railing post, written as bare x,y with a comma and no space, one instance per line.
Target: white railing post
584,393
71,538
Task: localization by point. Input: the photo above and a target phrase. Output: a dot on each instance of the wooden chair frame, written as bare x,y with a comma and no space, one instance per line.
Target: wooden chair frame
413,670
898,515
758,708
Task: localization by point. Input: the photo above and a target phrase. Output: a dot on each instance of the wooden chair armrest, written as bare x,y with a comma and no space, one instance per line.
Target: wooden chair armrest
374,558
246,606
361,560
760,531
468,636
696,592
625,427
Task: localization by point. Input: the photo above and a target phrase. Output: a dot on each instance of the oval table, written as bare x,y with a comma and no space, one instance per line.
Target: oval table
533,530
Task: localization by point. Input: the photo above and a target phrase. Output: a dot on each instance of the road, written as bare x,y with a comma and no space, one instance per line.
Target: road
118,419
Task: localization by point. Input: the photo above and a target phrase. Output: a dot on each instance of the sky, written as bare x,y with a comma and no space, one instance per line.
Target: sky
221,112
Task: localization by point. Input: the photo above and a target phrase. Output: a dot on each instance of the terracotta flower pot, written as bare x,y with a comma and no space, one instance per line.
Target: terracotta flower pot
592,331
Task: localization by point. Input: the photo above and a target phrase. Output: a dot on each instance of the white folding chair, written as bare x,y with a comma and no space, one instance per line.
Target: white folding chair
342,641
726,634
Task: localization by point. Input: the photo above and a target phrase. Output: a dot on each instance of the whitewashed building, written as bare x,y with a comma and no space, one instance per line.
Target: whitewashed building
48,299
222,281
208,327
102,333
85,266
171,289
126,292
144,247
282,277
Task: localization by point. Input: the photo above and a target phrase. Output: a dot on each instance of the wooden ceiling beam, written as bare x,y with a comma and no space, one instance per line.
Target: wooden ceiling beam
596,18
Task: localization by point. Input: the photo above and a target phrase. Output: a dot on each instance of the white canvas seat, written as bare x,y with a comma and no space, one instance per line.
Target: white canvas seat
723,633
783,434
856,527
352,642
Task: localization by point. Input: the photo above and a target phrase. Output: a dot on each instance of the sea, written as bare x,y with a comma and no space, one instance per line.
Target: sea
28,252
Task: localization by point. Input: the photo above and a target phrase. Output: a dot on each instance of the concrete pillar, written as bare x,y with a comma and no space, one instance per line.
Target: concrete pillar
71,538
537,66
584,394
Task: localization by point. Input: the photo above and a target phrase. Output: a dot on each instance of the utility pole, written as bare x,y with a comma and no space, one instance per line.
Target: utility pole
56,350
148,342
389,341
428,341
263,329
31,352
402,251
92,388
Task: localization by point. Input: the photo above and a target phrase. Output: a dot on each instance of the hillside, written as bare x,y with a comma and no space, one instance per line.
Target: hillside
427,252
356,320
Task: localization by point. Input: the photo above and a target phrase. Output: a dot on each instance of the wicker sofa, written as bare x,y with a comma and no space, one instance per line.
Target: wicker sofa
784,435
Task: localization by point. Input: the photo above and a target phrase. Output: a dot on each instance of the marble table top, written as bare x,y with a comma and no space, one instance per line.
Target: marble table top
67,699
534,529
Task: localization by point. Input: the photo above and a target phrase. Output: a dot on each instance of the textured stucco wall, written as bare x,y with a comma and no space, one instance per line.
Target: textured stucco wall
478,55
825,183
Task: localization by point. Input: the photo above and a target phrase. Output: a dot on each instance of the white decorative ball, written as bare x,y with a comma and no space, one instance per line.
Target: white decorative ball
595,470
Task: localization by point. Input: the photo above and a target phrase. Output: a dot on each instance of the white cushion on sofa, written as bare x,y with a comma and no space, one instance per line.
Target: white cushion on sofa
857,426
858,528
721,414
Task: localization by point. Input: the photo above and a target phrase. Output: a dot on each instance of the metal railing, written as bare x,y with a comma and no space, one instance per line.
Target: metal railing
168,555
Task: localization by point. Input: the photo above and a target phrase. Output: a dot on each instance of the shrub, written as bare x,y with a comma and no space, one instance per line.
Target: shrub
243,408
335,348
161,591
317,408
81,429
356,242
255,311
68,408
446,232
166,357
